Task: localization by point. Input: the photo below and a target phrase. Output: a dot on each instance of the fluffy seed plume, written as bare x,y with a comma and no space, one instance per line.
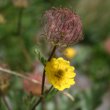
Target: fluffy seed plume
62,26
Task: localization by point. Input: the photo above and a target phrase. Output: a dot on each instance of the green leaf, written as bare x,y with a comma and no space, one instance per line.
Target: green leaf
40,56
51,94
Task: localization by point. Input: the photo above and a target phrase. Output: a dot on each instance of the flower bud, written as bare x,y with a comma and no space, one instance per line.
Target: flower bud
69,52
62,26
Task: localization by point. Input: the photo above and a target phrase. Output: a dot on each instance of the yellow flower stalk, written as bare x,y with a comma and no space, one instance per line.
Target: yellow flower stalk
59,73
69,52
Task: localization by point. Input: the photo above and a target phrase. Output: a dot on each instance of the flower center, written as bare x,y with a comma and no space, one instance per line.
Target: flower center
59,74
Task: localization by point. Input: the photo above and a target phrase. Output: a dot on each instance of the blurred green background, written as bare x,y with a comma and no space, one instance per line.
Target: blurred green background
21,32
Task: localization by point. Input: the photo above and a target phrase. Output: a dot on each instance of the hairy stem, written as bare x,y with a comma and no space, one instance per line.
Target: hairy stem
43,78
43,81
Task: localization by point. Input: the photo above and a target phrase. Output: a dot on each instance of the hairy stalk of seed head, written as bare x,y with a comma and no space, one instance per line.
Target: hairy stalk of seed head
62,26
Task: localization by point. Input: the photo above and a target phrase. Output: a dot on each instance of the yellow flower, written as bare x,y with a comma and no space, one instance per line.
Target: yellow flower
59,73
69,52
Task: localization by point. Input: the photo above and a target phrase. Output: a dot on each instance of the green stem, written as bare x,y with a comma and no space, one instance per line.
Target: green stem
19,23
19,33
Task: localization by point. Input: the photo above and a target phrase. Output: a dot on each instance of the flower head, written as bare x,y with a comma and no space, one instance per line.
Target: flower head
69,52
59,73
63,26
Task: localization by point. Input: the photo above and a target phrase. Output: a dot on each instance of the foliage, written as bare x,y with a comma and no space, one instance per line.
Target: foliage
21,32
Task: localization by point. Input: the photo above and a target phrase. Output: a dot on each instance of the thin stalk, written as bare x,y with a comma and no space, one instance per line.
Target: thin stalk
43,107
19,33
19,23
43,78
19,75
40,99
43,81
43,100
7,104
